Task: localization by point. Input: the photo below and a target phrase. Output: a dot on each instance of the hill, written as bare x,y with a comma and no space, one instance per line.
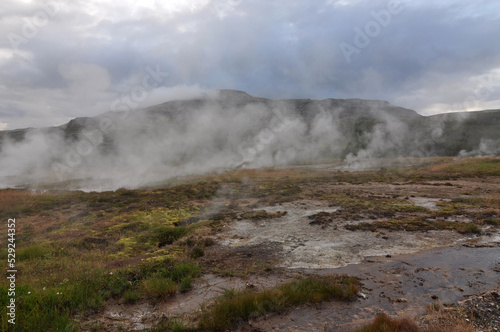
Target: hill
232,129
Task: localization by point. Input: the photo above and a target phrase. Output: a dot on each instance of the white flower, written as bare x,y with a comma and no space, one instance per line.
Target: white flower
29,292
111,273
44,288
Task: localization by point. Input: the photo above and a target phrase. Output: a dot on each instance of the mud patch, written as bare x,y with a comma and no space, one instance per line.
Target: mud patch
212,286
425,202
136,317
243,259
144,315
328,245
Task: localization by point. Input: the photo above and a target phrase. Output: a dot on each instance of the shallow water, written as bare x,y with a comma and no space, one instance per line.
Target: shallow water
400,286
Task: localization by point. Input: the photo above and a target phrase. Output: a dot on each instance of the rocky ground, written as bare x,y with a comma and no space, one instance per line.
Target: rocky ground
484,310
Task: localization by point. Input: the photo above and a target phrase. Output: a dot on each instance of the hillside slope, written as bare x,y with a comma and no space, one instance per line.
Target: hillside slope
233,129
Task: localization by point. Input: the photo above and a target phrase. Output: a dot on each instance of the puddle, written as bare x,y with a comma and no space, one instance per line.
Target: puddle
134,317
400,272
425,202
491,240
311,246
399,286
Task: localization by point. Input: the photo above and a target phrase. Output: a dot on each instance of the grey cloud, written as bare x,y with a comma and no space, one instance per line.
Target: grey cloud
278,49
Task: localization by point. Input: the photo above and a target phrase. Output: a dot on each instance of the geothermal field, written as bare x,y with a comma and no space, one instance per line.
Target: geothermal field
250,166
230,212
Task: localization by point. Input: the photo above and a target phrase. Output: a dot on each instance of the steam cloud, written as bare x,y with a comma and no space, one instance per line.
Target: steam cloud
130,149
214,132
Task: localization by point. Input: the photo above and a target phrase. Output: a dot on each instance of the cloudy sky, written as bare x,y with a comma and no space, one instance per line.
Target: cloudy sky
62,59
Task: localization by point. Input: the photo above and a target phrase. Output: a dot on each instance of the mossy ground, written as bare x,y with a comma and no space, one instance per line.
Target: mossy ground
77,250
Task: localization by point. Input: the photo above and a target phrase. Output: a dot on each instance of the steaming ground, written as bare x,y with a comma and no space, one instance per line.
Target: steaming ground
231,129
304,246
268,234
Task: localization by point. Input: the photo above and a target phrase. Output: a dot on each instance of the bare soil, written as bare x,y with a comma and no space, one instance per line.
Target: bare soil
401,272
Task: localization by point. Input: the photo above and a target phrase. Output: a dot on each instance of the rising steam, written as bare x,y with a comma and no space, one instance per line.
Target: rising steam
214,132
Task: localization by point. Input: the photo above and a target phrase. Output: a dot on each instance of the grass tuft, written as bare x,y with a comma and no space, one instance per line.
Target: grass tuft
158,287
383,323
196,252
493,222
417,224
242,305
172,325
32,252
131,296
165,235
262,214
186,284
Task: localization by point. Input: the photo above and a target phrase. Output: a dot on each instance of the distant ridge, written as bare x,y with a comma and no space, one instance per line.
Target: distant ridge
352,111
231,128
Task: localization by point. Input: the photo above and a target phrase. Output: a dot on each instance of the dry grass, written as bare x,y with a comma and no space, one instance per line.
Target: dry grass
417,224
383,323
438,321
10,197
234,305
